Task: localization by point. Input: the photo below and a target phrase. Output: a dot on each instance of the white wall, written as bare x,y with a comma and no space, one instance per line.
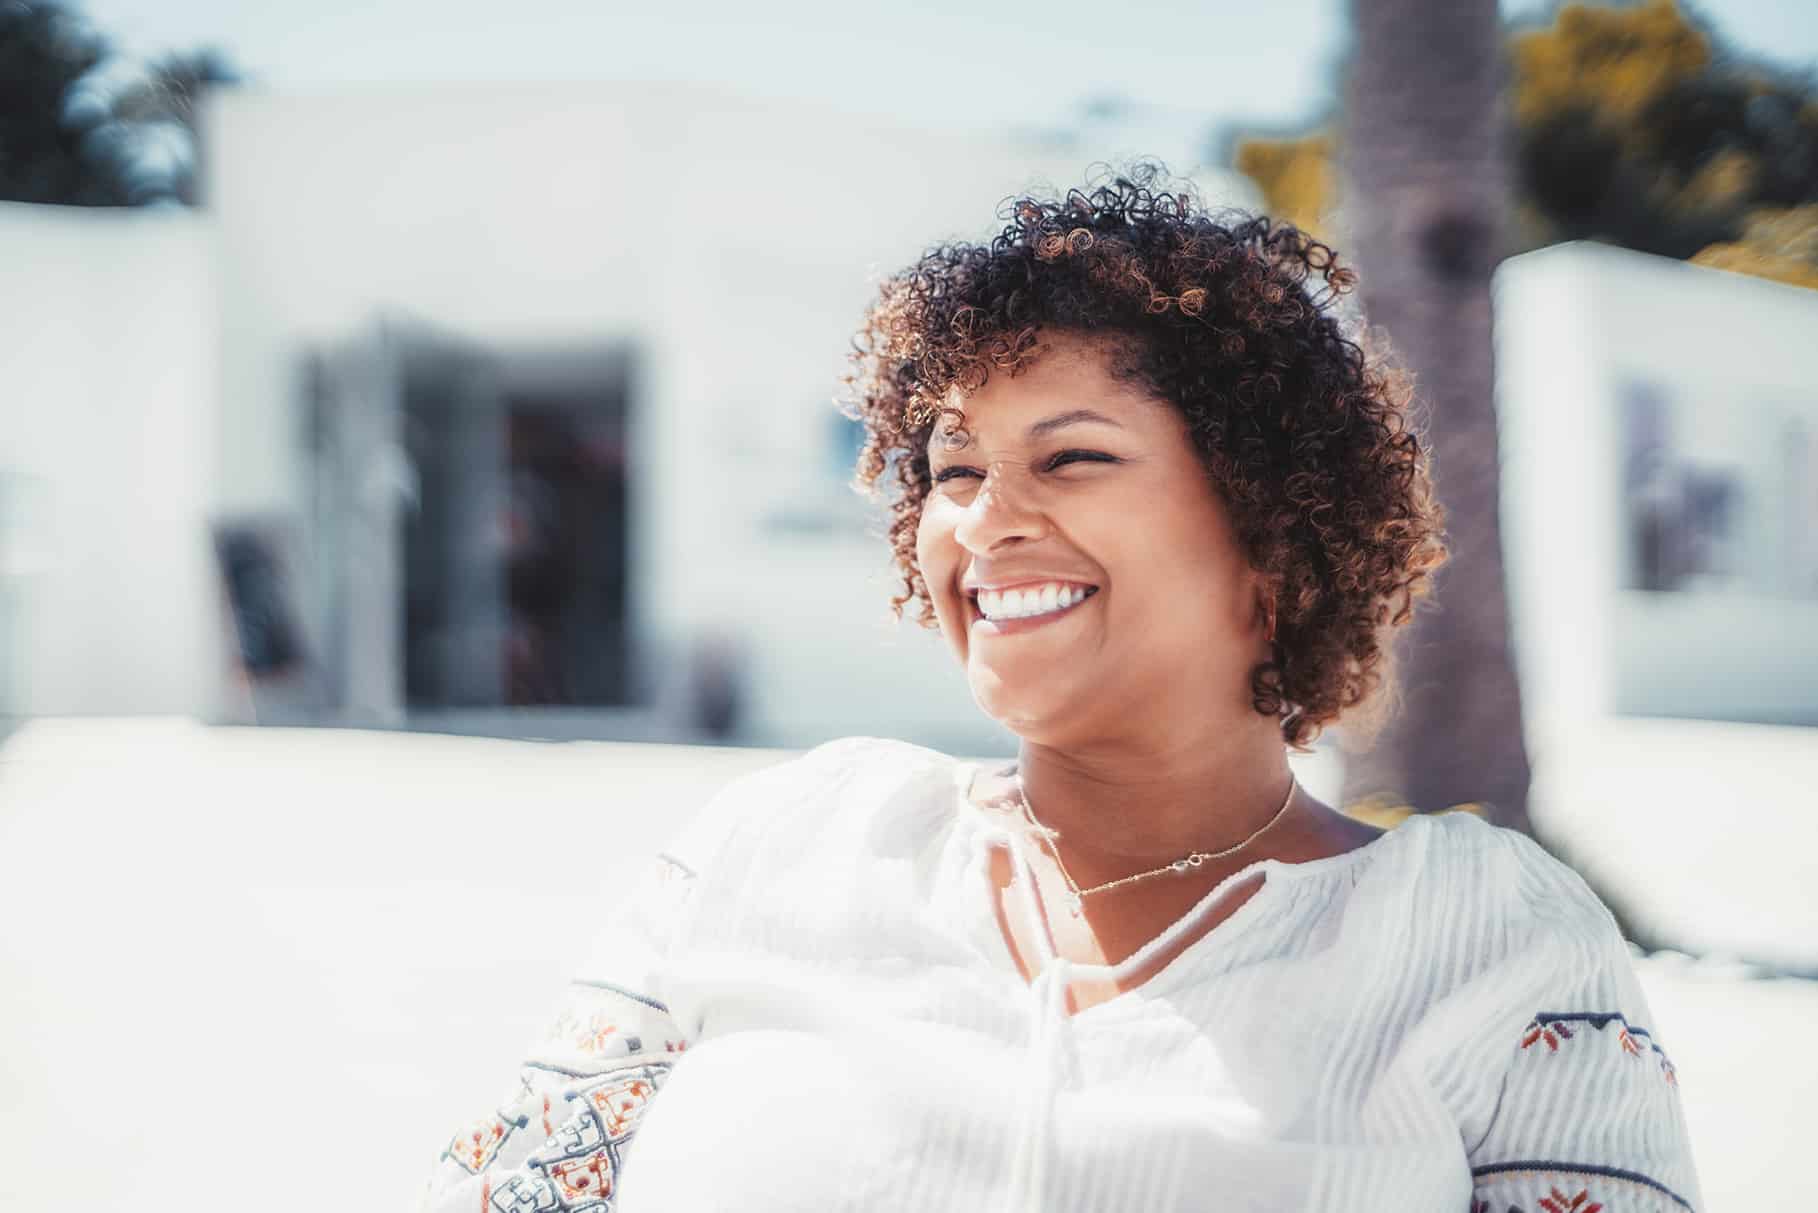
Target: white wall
150,364
1573,324
107,356
736,241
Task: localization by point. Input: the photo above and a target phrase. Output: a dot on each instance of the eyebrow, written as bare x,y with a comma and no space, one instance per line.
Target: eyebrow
1059,421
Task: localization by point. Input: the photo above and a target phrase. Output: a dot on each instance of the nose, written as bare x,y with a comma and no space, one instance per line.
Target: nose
999,514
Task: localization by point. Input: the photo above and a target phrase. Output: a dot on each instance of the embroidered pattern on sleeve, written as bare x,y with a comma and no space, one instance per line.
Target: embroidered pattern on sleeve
1586,1189
1555,1030
557,1143
608,1049
578,1166
1610,1043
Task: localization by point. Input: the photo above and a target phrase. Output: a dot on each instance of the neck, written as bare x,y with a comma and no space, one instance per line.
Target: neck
1120,810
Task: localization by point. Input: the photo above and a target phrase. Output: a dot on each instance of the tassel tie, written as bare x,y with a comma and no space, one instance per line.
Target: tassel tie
1049,1022
1033,1130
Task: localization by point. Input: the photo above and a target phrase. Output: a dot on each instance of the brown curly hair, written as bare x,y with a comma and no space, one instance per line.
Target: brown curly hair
1307,439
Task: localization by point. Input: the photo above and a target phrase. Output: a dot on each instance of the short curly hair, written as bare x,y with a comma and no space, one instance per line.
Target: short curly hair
1307,439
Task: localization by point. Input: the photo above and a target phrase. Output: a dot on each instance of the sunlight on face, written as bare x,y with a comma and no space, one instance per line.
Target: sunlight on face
1134,609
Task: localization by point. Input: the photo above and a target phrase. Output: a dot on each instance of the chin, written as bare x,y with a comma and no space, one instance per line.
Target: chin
1027,707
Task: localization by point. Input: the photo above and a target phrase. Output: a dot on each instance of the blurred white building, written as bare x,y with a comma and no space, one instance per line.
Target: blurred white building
107,429
1660,494
1660,510
510,410
488,400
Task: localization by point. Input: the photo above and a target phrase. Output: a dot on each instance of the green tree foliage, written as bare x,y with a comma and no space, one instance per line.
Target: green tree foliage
1776,242
1630,129
79,127
44,51
1630,126
1298,177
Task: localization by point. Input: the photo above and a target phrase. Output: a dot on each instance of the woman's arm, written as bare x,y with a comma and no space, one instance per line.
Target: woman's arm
1588,1114
560,1137
557,1139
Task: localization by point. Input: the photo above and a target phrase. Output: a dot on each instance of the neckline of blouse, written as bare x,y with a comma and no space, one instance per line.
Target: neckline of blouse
1278,875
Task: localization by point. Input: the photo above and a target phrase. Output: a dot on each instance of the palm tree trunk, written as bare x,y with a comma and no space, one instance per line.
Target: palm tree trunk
1424,162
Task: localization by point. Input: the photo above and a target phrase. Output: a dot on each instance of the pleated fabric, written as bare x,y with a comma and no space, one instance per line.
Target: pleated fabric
807,1003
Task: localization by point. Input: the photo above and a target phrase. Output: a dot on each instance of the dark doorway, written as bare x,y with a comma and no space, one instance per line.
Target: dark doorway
515,549
565,545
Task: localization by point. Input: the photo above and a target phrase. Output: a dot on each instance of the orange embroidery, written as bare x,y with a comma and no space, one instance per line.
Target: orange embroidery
1551,1029
475,1147
1552,1032
621,1103
1556,1201
589,1177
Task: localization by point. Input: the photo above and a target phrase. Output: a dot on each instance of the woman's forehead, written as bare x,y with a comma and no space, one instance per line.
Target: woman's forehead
1065,389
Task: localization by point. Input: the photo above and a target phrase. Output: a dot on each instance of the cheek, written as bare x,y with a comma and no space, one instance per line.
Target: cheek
935,553
1180,572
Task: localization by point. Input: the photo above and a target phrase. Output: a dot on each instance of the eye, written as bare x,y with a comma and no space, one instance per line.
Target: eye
1058,460
1062,458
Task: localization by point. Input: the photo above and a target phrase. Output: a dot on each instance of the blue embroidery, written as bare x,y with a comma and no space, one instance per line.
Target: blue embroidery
1574,1168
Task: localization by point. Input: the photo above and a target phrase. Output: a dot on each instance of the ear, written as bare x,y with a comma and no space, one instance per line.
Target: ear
1265,608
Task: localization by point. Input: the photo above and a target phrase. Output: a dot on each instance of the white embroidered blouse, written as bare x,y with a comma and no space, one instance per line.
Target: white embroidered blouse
810,1005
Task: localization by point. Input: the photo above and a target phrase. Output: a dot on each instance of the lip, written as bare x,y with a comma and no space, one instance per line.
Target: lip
971,588
980,626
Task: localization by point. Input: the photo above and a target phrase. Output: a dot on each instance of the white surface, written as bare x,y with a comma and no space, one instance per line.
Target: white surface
229,952
107,366
236,954
1702,835
1750,1093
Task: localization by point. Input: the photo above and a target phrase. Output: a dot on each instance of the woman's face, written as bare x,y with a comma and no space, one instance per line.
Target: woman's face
1136,612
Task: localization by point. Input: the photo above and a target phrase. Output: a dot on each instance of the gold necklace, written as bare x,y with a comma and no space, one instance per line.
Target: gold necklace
1076,895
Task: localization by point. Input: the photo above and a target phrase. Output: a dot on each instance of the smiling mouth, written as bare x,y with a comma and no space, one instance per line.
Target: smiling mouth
1022,622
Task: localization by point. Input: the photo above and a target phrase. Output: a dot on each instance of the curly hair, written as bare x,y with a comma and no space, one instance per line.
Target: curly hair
1307,439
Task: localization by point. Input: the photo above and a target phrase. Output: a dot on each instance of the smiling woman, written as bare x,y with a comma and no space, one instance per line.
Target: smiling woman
1036,494
1166,515
1205,337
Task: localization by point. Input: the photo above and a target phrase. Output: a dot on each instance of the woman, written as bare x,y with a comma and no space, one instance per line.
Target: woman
1166,516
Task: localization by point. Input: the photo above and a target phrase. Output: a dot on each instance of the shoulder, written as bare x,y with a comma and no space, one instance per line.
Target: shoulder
1503,932
875,793
851,791
1505,939
1485,916
1546,1044
1501,880
855,769
874,754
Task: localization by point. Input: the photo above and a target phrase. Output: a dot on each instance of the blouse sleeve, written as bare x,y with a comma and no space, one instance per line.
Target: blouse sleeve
1588,1116
557,1139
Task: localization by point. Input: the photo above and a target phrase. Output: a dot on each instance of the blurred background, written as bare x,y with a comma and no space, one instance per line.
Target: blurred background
388,391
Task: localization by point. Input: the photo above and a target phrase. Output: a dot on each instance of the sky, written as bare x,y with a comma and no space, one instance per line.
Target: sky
941,64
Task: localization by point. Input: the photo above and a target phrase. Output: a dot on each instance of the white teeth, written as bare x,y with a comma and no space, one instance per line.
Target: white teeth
1022,604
